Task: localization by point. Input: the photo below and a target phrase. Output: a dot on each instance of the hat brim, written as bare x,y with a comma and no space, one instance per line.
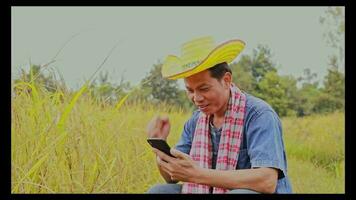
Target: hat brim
225,52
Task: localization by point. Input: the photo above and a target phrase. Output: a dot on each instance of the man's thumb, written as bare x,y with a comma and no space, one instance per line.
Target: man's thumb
178,153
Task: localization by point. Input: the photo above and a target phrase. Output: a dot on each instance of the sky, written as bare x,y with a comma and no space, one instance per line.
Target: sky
146,35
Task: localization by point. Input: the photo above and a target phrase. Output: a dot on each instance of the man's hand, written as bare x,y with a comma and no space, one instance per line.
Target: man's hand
158,127
181,168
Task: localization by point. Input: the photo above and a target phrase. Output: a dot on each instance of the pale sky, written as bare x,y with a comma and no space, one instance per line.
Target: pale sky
148,34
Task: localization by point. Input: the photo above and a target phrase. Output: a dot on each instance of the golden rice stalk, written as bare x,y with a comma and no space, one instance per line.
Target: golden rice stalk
35,96
34,91
32,171
69,107
122,101
93,176
110,175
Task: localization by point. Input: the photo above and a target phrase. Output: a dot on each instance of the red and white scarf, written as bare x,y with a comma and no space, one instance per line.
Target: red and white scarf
229,146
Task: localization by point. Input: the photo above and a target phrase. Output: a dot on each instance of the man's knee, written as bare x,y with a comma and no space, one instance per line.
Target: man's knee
165,189
242,191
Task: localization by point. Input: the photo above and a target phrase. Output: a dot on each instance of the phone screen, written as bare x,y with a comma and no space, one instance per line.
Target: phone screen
160,144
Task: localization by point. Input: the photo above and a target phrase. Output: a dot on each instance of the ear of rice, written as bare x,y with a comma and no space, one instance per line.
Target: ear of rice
122,101
34,91
69,107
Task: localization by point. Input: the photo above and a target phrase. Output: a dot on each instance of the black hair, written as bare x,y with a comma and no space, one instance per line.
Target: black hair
219,70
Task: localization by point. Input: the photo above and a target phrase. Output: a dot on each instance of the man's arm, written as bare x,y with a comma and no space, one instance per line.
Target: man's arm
262,180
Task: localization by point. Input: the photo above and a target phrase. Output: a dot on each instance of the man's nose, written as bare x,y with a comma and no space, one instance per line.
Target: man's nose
197,97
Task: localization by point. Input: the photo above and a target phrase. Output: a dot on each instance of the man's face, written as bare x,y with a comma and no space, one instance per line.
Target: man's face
209,94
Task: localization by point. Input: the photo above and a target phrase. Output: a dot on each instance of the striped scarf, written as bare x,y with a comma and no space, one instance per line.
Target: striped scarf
229,146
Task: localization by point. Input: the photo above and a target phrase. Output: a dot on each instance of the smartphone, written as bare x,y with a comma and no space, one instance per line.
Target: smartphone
160,144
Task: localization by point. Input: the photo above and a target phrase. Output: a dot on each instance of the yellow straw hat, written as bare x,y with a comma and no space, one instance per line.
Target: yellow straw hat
198,55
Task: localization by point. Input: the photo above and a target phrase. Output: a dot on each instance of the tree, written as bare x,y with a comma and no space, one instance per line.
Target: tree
242,74
306,100
261,62
161,89
308,78
102,90
39,78
334,22
273,89
334,81
289,85
333,97
251,69
326,103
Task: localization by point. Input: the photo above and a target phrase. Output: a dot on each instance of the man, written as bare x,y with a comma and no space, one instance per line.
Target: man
233,143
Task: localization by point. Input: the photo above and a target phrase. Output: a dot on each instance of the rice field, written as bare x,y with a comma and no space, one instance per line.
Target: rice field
68,143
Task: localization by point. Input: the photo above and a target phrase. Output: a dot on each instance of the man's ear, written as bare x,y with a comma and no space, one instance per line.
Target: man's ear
227,79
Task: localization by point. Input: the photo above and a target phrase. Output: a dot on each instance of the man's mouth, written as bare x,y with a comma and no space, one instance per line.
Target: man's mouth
203,106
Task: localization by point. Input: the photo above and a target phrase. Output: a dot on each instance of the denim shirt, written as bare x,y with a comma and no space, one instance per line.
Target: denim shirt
262,142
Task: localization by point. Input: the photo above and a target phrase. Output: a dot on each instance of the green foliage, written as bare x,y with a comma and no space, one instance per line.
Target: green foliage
326,103
159,89
242,74
261,62
334,82
332,95
308,77
274,89
334,22
307,99
102,90
256,74
36,76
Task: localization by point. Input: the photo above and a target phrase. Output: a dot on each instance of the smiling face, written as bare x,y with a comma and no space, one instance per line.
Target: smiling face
209,94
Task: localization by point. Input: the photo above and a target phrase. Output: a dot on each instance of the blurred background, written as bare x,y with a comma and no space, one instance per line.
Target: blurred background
86,80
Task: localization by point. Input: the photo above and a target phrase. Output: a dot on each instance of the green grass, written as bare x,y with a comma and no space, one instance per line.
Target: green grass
315,146
104,149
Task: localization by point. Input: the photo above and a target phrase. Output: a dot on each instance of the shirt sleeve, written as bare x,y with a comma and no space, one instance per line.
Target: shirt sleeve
185,142
264,142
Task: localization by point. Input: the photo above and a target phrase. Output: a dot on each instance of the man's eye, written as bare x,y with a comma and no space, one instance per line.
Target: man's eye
204,89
